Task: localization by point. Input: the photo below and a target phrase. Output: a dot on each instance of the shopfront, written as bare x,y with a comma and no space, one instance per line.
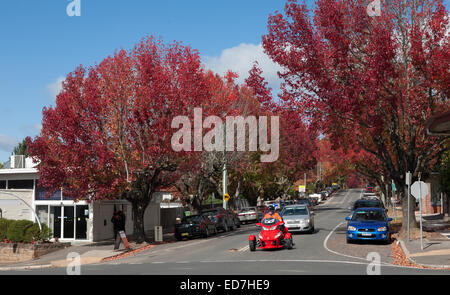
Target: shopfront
68,220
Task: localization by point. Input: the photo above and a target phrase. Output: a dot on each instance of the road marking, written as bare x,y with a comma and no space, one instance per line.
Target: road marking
244,248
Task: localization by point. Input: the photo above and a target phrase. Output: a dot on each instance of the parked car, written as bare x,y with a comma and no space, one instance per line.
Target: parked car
368,224
374,203
326,193
248,215
226,220
298,218
318,196
314,200
195,226
305,201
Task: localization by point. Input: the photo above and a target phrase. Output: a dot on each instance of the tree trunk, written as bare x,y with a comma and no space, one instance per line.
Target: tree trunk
138,221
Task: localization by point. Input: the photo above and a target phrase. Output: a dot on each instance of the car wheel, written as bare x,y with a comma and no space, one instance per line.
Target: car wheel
349,241
238,224
289,244
215,230
233,227
225,227
178,238
252,245
311,231
389,239
206,233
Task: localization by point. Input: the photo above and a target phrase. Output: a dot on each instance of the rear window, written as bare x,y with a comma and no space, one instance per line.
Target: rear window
294,211
374,204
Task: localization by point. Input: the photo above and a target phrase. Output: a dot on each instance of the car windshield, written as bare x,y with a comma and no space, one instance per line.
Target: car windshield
375,204
294,211
269,221
368,215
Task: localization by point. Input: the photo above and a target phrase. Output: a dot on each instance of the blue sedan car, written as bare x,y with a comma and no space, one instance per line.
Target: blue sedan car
368,224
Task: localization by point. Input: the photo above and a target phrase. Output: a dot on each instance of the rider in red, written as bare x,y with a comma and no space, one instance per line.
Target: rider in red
272,214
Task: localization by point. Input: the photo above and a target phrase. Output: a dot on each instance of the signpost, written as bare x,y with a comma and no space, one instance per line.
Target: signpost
408,183
419,190
394,190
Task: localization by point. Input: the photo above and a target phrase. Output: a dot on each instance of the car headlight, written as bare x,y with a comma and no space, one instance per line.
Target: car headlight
260,237
273,227
383,228
351,228
278,235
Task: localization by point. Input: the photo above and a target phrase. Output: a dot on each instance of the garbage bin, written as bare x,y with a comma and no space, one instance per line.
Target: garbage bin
158,234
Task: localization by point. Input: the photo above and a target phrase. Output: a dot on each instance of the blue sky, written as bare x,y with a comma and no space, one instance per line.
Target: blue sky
41,44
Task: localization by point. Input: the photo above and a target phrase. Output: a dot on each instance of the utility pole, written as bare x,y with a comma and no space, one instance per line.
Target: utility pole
225,172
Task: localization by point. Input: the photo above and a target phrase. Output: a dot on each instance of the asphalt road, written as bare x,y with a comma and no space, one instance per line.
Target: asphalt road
322,253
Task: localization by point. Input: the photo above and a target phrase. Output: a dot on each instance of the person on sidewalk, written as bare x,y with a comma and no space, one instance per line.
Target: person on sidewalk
118,221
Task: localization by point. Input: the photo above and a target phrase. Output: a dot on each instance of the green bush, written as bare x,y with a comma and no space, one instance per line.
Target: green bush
16,230
23,231
4,223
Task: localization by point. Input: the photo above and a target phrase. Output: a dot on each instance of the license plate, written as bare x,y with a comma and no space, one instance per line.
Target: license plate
366,234
185,234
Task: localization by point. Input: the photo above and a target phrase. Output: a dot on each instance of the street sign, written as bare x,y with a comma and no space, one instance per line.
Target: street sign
419,189
302,188
226,197
408,178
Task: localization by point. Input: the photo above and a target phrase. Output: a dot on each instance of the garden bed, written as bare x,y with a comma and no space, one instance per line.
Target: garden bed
18,252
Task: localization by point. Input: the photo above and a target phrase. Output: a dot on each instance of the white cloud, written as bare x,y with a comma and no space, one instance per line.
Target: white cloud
31,130
240,59
7,143
55,88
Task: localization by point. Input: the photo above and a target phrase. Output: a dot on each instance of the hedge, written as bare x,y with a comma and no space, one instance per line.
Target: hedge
23,231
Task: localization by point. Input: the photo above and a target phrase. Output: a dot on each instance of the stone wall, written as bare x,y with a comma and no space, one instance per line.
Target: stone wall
18,252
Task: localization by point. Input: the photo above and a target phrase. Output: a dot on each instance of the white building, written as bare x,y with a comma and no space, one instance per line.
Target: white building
22,198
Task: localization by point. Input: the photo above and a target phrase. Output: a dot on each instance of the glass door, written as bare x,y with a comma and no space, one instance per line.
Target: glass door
69,222
55,221
82,217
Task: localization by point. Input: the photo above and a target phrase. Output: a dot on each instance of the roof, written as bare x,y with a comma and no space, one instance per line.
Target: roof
19,171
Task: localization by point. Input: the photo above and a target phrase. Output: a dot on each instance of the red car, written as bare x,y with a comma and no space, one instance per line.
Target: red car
272,236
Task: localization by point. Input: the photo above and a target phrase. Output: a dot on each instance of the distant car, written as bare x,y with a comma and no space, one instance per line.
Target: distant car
226,219
248,215
305,201
195,226
318,196
327,193
368,224
361,203
324,195
298,218
314,200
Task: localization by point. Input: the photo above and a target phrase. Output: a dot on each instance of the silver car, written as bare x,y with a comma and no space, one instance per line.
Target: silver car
298,218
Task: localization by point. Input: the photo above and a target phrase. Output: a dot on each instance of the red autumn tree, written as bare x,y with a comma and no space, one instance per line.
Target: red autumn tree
110,131
368,81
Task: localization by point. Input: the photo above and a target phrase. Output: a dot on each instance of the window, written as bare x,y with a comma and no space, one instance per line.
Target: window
2,184
21,184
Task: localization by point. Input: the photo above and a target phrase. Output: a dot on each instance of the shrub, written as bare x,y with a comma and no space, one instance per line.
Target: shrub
4,228
16,230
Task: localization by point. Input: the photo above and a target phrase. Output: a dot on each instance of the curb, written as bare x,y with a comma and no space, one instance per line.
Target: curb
134,251
29,267
407,254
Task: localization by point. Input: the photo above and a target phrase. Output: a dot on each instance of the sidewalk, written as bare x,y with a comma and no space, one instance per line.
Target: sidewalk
436,249
90,253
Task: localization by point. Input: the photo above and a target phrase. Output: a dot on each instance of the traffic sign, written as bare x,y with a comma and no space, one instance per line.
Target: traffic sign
226,197
419,189
301,188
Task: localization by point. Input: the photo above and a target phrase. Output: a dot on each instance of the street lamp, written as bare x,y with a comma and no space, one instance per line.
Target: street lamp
26,204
